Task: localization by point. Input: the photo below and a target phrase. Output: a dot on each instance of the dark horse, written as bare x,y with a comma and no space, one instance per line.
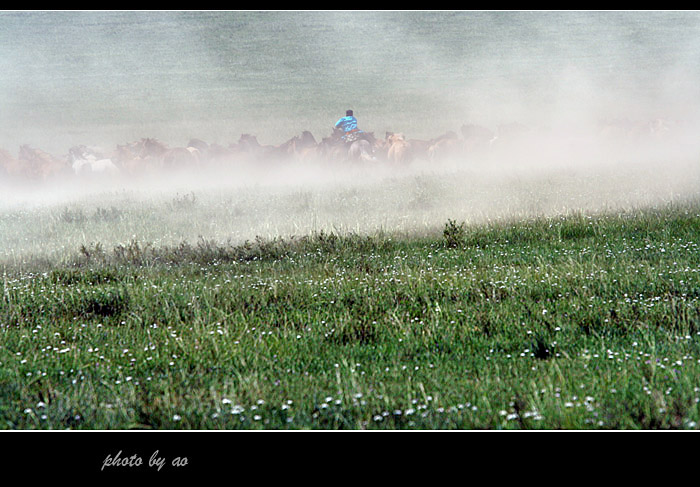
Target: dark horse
359,148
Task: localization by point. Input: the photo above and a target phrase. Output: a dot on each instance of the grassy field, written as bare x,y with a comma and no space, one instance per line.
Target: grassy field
582,321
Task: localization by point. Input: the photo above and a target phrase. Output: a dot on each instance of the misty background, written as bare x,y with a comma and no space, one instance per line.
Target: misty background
102,78
107,77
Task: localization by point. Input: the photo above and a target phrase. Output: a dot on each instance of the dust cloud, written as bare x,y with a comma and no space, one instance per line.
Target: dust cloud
581,112
542,177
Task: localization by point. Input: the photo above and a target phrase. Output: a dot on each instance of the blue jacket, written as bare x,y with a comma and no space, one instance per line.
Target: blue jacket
347,124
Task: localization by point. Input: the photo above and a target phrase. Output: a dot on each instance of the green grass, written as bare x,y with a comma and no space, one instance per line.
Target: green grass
576,322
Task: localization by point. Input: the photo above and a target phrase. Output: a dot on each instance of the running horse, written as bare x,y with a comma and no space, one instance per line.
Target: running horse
301,147
9,166
137,158
148,155
398,150
39,165
358,148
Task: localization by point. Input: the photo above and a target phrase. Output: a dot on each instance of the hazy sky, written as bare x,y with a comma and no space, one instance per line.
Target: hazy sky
110,77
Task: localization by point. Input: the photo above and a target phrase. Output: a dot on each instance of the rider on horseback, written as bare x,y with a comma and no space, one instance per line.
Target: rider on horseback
348,124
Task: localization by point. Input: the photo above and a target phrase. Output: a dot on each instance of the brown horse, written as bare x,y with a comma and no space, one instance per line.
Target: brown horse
148,155
127,160
332,148
141,157
9,166
285,151
39,165
419,148
250,150
446,146
210,154
335,149
299,148
398,152
305,146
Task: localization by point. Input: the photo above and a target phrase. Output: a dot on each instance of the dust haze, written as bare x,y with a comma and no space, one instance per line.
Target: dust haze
580,111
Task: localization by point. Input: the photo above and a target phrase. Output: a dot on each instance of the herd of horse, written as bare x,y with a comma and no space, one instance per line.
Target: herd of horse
151,156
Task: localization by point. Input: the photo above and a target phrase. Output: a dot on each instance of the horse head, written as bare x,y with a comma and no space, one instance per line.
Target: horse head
307,139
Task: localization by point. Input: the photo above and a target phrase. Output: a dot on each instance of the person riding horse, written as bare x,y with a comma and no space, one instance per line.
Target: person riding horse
357,143
348,124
